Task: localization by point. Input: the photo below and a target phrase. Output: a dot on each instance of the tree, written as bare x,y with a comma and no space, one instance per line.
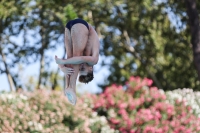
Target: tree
47,27
141,40
143,37
195,31
42,26
10,25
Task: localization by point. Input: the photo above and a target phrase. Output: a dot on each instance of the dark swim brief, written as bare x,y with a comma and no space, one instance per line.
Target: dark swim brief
75,21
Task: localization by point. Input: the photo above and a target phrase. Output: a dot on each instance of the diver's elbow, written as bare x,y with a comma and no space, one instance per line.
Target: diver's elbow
96,60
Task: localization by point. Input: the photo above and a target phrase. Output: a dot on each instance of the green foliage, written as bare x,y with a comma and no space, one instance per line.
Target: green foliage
144,41
4,5
143,37
69,13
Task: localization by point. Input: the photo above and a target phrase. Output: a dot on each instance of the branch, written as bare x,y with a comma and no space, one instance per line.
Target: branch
131,50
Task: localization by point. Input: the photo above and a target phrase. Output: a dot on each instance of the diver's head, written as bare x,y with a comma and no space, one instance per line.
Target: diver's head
86,73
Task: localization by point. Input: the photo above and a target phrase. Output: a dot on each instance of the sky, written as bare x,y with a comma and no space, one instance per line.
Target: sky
100,73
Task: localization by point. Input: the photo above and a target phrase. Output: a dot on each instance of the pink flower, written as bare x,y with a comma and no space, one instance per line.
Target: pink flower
138,121
114,121
155,89
142,99
114,85
149,99
132,131
96,105
137,79
188,131
183,114
198,128
106,92
149,129
122,111
182,128
158,115
111,101
189,108
129,122
149,117
158,106
132,106
173,124
137,102
163,97
170,110
165,128
120,87
132,78
122,105
122,129
149,81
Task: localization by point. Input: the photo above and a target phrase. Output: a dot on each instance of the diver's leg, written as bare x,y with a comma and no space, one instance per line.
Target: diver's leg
79,35
69,50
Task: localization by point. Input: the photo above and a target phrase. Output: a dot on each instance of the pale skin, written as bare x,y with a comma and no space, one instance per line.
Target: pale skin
82,46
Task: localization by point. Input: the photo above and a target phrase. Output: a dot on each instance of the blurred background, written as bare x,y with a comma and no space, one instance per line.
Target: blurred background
146,80
148,38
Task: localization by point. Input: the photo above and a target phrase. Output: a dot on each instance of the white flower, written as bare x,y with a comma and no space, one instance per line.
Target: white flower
30,123
103,119
191,98
111,113
35,125
107,129
23,97
6,96
94,114
39,127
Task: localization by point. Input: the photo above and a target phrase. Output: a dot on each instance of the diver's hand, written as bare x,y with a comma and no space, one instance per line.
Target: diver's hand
67,69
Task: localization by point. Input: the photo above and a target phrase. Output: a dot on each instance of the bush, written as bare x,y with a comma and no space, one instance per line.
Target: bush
137,107
142,108
45,112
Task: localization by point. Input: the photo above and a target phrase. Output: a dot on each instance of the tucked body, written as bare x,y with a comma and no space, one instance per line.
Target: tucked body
82,46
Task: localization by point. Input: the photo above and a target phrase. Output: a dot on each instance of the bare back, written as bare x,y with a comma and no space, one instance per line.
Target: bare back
92,47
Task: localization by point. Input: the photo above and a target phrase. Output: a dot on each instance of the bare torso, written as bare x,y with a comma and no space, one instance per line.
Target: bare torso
92,47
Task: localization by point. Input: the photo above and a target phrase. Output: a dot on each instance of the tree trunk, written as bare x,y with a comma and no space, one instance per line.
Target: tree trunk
195,32
10,79
42,50
41,70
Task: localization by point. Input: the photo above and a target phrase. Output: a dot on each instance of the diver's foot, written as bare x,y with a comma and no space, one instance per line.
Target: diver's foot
58,60
71,96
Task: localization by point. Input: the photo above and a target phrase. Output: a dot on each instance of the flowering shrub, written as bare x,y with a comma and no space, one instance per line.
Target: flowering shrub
186,95
142,108
45,112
